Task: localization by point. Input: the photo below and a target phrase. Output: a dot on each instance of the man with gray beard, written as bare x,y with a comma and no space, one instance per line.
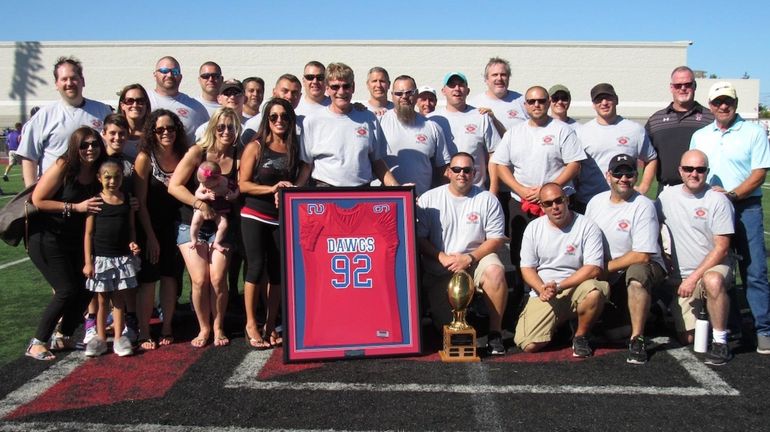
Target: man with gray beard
416,147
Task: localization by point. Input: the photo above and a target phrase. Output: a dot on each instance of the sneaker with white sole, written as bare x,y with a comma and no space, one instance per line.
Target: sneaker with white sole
122,347
90,331
495,346
96,347
763,344
637,351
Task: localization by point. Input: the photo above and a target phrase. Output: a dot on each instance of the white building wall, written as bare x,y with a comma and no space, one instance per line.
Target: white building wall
638,70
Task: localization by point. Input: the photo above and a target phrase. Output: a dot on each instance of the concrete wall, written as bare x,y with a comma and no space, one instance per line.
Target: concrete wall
638,70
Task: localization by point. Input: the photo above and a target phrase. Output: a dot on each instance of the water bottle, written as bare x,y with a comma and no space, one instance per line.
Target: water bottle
701,342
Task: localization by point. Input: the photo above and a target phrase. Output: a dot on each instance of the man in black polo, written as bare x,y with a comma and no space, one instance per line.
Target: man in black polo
671,128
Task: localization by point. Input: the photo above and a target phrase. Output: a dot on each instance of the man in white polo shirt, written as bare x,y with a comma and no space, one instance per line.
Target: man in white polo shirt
45,136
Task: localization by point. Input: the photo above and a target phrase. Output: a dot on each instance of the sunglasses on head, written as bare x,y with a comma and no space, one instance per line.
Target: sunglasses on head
698,169
173,71
138,101
558,201
161,129
222,127
274,117
464,170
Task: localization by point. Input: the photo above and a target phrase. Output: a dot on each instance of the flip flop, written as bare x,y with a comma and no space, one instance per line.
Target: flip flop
275,339
166,340
44,355
147,344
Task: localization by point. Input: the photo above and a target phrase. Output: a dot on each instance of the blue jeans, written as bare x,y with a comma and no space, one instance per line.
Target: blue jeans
750,244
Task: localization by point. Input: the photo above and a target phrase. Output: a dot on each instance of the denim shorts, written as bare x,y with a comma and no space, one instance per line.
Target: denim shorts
204,234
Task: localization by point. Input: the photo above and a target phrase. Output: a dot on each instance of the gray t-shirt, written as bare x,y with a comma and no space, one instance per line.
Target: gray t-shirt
509,110
538,154
470,132
558,253
627,226
601,143
458,224
411,148
191,112
693,221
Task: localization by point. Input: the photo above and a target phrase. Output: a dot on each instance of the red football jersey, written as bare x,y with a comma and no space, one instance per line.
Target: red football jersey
349,260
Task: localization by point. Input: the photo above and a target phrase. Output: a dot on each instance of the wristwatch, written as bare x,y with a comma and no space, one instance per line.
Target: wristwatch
732,196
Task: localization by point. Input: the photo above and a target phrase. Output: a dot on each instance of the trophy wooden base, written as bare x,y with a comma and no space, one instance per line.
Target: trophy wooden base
459,346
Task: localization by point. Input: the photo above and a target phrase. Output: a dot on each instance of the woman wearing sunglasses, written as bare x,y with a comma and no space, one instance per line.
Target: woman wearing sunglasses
163,146
207,266
65,195
134,104
270,162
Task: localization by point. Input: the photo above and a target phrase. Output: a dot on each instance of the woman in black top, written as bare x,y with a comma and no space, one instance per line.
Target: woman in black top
270,162
64,195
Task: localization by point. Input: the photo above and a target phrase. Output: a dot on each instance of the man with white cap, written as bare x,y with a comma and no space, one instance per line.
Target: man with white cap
740,156
602,138
426,100
466,129
560,102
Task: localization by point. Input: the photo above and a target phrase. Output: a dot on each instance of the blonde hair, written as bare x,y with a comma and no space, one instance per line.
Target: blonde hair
209,137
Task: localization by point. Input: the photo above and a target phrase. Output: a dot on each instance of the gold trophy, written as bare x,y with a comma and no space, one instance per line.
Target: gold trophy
459,336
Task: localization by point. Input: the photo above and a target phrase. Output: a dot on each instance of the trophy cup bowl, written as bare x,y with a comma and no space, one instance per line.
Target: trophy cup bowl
460,292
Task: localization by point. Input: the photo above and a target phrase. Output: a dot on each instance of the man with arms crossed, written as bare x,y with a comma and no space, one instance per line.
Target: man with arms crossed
416,146
701,223
45,136
740,156
561,257
630,227
671,128
460,227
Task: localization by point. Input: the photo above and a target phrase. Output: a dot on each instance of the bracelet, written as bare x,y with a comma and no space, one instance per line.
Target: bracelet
473,260
67,210
196,202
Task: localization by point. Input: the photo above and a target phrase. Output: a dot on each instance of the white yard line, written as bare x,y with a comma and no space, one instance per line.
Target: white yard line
13,263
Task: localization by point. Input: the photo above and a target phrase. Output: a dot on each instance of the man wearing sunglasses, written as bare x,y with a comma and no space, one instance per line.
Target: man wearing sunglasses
230,95
314,85
210,79
45,136
671,128
461,227
701,223
168,76
466,129
602,138
635,266
561,98
561,257
740,156
417,151
340,145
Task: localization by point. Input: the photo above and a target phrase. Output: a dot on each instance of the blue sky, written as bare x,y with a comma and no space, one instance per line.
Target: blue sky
729,39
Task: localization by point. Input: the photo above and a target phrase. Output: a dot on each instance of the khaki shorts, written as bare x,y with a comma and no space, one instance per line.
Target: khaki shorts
539,320
648,275
683,308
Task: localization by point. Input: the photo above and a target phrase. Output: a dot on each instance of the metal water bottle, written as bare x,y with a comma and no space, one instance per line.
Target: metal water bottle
701,342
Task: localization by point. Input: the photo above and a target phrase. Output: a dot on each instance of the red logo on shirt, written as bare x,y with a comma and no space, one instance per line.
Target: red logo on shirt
623,225
570,249
548,139
512,113
361,132
97,124
622,140
421,138
700,213
473,217
470,128
182,112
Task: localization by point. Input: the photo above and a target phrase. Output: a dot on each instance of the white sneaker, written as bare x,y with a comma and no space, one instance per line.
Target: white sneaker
90,334
122,347
131,334
96,347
